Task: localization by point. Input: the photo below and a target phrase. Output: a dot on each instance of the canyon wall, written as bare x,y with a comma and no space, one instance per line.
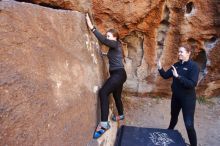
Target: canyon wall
154,30
51,66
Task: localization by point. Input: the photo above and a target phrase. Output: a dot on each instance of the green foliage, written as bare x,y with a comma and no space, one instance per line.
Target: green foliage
204,100
158,98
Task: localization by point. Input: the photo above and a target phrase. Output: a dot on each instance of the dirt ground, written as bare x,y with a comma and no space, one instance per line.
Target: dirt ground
155,113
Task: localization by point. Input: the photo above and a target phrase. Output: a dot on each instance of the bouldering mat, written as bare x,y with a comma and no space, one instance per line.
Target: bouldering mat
140,136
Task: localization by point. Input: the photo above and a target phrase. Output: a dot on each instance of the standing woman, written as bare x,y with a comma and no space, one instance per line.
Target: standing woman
185,77
114,83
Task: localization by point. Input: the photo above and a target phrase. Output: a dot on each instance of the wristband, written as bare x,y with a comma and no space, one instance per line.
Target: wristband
93,29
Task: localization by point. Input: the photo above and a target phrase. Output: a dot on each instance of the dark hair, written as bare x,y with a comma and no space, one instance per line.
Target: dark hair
114,32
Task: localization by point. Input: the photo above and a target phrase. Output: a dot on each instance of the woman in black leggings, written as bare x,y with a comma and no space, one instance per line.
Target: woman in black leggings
185,77
114,83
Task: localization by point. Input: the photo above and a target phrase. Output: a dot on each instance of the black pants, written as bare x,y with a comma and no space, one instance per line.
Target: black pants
187,104
114,85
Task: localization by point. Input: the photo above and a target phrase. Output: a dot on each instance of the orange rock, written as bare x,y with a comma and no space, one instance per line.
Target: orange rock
76,5
162,27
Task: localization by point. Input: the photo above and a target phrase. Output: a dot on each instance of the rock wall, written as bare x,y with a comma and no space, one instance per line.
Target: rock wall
50,73
51,68
154,30
76,5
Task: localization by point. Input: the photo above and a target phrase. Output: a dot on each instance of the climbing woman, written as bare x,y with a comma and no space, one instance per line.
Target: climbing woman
185,74
114,84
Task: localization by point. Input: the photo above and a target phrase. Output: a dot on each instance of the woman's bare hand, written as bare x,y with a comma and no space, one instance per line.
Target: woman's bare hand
175,74
88,21
159,66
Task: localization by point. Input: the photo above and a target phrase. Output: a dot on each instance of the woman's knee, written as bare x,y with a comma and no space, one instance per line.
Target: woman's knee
103,93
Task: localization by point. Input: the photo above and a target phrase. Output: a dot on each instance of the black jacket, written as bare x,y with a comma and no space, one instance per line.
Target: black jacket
115,55
185,84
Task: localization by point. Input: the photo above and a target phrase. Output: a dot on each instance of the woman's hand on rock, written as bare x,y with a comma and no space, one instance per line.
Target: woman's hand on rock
159,66
88,21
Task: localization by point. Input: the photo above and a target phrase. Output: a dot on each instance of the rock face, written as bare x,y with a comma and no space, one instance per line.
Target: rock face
154,30
76,5
51,69
50,73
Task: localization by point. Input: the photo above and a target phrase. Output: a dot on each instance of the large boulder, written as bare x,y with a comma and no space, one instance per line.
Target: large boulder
76,5
50,73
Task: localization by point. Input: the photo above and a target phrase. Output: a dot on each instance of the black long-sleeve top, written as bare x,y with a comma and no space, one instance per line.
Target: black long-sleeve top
115,51
185,84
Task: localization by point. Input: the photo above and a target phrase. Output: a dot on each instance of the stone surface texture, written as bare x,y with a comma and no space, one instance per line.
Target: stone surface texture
50,73
51,66
154,30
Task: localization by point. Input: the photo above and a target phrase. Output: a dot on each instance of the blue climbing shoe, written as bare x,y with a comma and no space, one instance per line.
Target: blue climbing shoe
100,131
